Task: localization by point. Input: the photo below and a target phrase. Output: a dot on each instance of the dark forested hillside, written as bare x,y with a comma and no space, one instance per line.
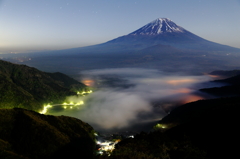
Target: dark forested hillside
206,129
26,134
26,87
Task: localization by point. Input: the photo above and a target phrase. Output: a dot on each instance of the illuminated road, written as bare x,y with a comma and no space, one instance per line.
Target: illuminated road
66,105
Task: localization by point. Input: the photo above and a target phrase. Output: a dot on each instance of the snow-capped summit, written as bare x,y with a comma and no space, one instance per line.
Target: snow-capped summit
162,31
159,26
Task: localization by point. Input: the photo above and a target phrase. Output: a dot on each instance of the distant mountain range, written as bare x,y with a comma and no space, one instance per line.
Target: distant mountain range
160,44
232,87
163,31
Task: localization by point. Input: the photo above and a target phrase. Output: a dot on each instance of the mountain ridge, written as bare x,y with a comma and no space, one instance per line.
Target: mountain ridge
186,49
166,32
26,87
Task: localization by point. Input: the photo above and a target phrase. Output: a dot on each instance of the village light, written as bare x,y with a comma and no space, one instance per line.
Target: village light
45,109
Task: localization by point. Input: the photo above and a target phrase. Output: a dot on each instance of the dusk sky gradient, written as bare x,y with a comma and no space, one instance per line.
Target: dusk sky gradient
32,25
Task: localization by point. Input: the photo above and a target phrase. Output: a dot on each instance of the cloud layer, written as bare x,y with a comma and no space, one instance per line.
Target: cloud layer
128,96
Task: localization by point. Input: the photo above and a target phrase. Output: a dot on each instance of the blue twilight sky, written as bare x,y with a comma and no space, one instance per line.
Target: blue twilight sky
30,25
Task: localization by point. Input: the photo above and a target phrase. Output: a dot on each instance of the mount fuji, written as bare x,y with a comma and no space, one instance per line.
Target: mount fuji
160,33
160,44
163,31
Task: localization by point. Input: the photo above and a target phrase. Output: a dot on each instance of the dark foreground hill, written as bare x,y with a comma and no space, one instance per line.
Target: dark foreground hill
26,87
211,125
206,129
26,134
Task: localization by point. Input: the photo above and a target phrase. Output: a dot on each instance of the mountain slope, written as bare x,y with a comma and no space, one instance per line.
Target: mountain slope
28,135
161,31
210,124
206,129
26,87
160,44
166,32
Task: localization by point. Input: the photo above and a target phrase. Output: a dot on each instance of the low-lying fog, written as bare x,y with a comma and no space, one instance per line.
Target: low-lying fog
133,98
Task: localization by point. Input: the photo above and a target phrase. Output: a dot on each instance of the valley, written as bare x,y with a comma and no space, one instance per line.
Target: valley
137,97
154,84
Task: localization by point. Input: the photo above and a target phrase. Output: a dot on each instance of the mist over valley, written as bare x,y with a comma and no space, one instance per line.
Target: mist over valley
161,83
139,77
134,99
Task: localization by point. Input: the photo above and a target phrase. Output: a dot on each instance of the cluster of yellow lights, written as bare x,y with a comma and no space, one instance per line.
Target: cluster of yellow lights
45,109
161,126
73,104
70,105
107,146
84,92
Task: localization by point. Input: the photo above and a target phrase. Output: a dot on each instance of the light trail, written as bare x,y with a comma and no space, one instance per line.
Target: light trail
45,109
65,105
84,92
